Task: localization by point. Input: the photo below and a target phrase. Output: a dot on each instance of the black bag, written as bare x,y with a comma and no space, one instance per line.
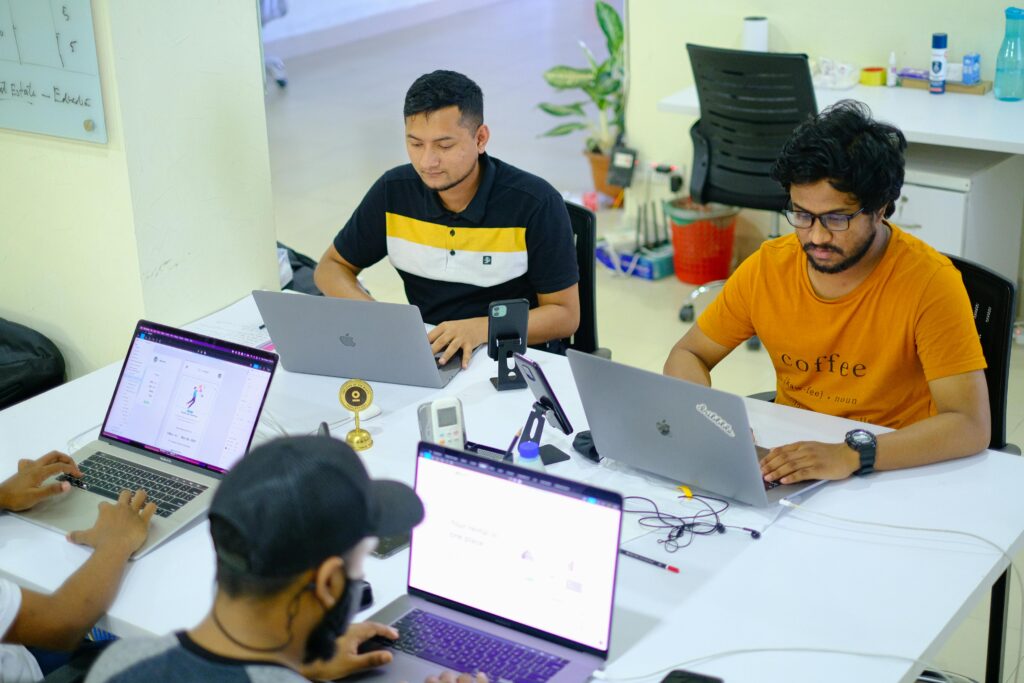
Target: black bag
29,363
302,272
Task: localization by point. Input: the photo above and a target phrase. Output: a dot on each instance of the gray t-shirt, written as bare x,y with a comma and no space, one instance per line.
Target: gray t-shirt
176,657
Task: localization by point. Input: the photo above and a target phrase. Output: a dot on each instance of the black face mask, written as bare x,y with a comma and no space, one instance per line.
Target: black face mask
322,642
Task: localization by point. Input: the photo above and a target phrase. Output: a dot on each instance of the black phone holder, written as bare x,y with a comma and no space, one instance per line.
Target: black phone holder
509,376
532,431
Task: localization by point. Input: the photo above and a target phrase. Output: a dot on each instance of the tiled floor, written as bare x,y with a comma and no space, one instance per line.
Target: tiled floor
338,126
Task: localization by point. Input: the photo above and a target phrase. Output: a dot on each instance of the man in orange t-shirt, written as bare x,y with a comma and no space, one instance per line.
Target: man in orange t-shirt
861,320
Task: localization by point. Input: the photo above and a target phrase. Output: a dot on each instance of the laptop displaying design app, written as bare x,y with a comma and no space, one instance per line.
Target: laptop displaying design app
687,432
184,411
511,573
371,340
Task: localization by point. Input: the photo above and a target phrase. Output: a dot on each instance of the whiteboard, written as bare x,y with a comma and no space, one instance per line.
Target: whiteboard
49,78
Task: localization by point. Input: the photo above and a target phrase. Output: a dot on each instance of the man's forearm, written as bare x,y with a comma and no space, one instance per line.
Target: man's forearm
686,365
550,321
334,279
941,437
61,620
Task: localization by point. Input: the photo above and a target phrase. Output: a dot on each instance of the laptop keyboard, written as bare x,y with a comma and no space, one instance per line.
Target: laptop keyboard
454,646
453,365
769,485
108,476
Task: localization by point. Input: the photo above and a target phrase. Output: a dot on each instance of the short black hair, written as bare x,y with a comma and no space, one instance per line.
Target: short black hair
855,153
232,577
441,89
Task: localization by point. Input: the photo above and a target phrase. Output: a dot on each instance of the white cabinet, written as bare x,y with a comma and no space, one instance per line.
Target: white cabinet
966,203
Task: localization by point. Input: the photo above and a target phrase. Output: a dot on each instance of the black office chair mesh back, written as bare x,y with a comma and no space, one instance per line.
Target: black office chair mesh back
994,301
750,102
584,230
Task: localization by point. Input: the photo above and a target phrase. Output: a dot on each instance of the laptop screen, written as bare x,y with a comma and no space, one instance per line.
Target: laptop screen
189,397
524,546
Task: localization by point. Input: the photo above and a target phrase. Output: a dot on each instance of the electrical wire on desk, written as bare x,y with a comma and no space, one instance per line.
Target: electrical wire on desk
1013,675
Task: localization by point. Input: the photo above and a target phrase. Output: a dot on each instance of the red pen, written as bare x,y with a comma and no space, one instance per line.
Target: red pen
648,560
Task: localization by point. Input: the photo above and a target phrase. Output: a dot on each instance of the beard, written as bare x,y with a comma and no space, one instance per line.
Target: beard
452,184
858,252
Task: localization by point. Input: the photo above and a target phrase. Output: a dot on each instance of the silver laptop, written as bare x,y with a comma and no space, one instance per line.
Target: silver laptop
687,432
184,411
371,340
511,573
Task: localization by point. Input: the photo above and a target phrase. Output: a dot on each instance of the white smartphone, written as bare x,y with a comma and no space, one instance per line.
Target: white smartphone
441,423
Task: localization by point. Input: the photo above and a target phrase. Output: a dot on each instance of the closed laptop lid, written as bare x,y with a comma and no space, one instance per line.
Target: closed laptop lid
680,430
189,397
518,547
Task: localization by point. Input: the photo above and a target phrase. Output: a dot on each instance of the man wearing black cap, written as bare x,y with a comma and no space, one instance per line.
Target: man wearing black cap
291,526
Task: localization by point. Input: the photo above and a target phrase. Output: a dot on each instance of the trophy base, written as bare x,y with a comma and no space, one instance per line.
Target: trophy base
359,439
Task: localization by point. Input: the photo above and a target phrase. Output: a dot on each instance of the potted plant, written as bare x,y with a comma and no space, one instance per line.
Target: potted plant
602,83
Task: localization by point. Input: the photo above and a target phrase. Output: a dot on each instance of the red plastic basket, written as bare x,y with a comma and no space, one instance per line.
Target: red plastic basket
702,240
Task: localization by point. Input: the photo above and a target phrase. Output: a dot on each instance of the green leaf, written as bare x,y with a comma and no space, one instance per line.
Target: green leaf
564,109
566,77
611,25
565,129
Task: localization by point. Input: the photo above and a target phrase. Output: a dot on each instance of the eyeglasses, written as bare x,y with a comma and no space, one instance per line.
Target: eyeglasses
833,222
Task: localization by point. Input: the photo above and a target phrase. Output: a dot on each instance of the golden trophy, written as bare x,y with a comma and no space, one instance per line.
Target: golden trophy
356,395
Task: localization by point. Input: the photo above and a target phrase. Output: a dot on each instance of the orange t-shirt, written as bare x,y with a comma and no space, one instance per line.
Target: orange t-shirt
868,355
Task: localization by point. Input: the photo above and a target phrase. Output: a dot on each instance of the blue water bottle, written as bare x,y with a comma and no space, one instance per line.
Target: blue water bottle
1009,84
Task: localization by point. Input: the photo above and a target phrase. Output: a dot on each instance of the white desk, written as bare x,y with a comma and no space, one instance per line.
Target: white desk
949,120
808,582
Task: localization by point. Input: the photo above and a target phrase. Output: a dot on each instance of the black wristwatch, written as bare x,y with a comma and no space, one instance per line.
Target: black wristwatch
864,442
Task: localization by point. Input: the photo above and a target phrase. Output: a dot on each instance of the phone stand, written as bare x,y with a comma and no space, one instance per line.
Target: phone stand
532,431
509,376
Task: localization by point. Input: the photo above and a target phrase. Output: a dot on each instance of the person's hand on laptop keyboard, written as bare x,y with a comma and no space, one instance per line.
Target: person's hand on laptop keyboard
449,677
25,489
348,659
121,527
452,336
806,460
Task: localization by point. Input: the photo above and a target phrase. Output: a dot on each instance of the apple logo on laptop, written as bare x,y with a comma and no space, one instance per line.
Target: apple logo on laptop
347,340
663,427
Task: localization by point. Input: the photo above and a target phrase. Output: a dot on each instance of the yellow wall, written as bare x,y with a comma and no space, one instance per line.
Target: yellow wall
861,33
68,265
172,219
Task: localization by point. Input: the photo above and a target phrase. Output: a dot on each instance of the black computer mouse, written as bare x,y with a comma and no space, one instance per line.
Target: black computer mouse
584,445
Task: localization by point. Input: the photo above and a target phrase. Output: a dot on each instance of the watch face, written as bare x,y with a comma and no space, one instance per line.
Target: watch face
861,437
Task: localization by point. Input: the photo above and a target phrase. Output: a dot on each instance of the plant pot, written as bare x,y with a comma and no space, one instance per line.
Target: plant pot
599,164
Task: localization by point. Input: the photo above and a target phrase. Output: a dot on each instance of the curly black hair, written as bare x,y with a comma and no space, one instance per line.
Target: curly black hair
441,89
855,153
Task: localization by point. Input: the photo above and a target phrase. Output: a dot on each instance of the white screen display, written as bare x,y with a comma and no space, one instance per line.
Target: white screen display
195,404
527,553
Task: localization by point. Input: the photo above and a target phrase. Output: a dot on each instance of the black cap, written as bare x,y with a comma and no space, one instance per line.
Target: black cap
298,500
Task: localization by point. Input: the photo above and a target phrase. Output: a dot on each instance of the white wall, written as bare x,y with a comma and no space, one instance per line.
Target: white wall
313,25
172,218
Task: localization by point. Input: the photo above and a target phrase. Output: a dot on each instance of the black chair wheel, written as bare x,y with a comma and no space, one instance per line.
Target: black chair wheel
754,344
686,313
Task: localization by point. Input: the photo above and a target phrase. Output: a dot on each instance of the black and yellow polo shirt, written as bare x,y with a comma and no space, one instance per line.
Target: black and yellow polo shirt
513,240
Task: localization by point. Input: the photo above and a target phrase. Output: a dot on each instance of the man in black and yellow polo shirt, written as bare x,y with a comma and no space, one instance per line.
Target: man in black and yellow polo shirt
462,229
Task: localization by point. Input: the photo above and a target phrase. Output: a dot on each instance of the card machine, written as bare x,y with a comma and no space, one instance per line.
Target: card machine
441,422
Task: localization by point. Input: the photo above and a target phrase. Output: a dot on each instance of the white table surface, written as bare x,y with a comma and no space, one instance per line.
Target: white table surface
810,582
950,120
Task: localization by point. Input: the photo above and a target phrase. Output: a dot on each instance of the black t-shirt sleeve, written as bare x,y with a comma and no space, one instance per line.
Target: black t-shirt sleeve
550,248
363,240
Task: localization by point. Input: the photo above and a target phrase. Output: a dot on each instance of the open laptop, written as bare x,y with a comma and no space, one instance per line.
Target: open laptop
511,572
371,340
184,411
687,432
